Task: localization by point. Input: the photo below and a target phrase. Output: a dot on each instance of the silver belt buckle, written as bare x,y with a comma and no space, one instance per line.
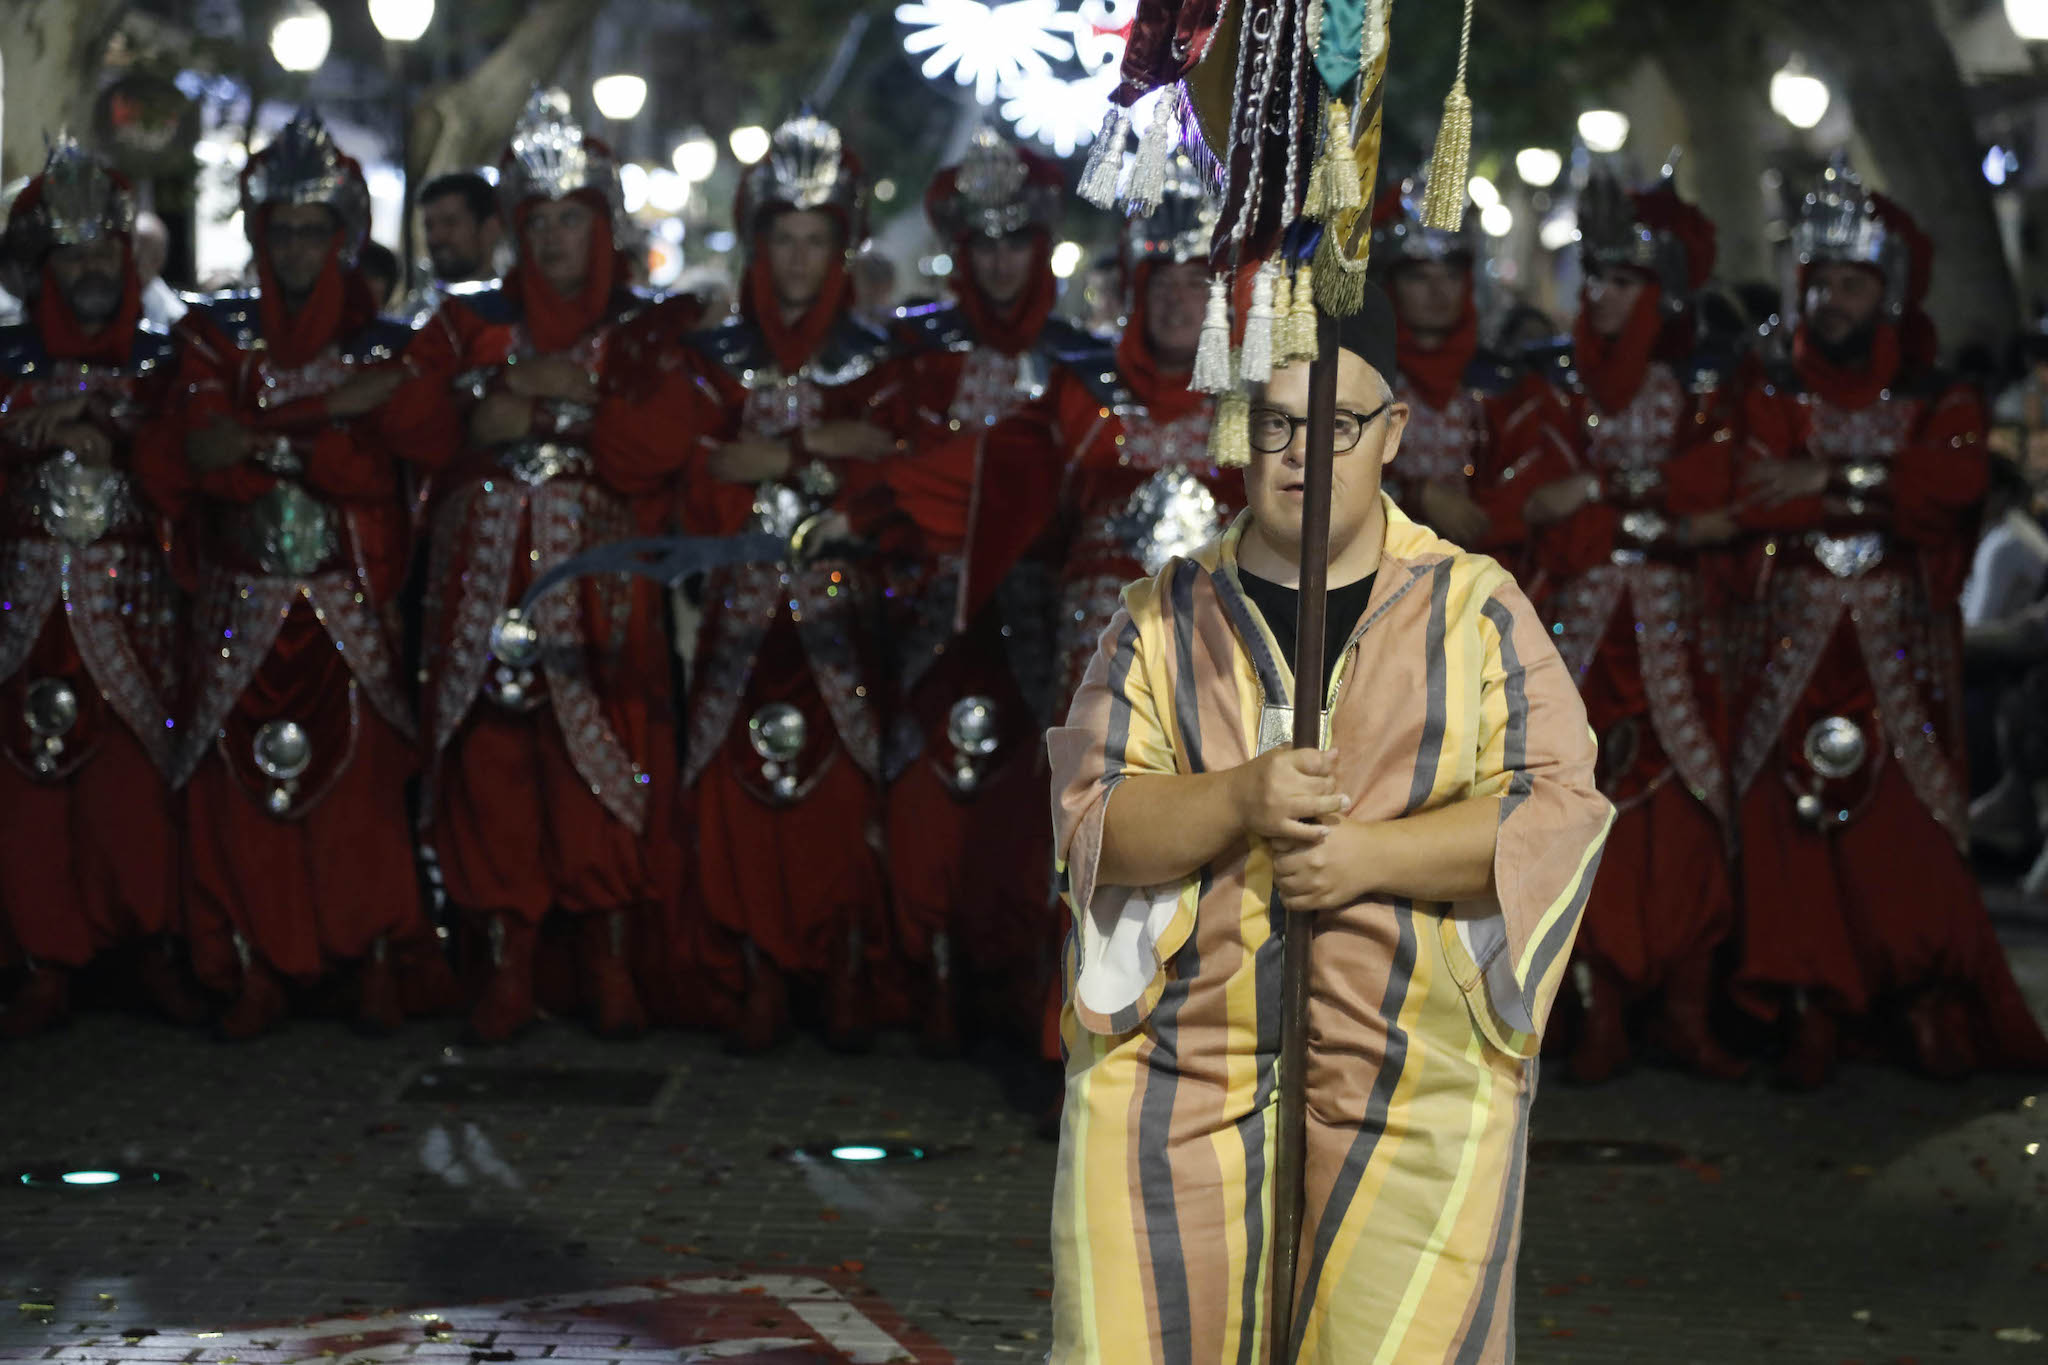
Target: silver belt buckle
1849,556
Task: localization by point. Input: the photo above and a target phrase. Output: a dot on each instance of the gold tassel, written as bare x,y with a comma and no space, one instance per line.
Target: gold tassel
1443,205
1301,319
1344,191
1339,283
1333,184
1230,430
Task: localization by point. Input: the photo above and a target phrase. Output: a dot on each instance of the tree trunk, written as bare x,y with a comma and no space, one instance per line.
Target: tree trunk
50,51
1722,81
1909,104
465,124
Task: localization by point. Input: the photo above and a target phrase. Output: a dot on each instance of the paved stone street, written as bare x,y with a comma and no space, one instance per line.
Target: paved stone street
578,1200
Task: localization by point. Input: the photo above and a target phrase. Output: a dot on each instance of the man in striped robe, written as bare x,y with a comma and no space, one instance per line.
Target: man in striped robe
1440,848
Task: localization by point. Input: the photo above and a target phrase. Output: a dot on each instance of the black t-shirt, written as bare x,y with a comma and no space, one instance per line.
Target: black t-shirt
1281,607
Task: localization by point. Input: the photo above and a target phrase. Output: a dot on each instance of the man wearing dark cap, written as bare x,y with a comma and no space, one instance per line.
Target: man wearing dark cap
1443,840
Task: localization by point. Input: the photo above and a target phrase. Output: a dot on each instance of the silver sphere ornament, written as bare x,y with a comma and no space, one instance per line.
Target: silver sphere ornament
1808,807
51,708
1835,746
777,731
514,639
283,750
971,725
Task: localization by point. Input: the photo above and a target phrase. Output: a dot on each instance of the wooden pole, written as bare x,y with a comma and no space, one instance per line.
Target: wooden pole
1291,1153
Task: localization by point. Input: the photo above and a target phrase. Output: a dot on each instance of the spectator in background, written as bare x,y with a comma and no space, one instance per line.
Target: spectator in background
874,288
379,266
1525,326
161,305
459,216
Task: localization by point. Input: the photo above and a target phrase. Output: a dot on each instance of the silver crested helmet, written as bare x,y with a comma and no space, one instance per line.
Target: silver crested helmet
549,157
807,166
992,192
1612,235
1838,221
77,198
302,166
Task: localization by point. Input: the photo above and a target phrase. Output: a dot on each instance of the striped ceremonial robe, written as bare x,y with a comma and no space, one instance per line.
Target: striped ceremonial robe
1424,1018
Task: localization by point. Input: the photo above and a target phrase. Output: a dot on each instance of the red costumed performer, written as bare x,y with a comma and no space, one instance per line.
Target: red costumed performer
88,613
299,739
1865,468
1108,474
551,749
1627,542
1474,437
785,721
969,846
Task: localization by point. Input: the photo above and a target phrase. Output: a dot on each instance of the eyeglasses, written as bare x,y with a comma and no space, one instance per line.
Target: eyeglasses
1272,430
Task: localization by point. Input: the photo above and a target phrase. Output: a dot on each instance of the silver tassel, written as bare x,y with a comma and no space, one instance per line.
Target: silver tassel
1212,354
1106,158
1257,357
1148,177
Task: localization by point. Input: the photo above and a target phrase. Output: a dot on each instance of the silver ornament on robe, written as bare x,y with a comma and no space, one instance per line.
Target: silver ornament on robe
50,710
777,731
282,751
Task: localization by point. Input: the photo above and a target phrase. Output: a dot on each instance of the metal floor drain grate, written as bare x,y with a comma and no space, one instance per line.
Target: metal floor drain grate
535,1085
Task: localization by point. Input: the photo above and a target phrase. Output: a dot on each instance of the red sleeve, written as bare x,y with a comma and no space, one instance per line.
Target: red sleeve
1015,495
1526,452
1772,432
1939,480
347,463
423,421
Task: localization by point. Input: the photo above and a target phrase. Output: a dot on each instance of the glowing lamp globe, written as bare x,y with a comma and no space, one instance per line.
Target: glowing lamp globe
401,21
1539,167
301,37
618,98
2029,19
1801,100
1483,192
696,157
1497,220
749,144
1603,130
1066,259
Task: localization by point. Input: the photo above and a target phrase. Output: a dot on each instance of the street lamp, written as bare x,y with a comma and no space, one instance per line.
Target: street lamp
1603,130
619,97
1800,99
1539,167
2029,19
301,36
401,21
696,157
749,144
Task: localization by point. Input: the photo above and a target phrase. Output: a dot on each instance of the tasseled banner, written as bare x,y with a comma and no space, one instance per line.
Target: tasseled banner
1339,284
1148,177
1315,26
1106,158
1230,430
1333,186
1255,364
1301,318
1443,205
1212,353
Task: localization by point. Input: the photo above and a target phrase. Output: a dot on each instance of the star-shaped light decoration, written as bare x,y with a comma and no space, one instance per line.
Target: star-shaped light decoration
987,45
